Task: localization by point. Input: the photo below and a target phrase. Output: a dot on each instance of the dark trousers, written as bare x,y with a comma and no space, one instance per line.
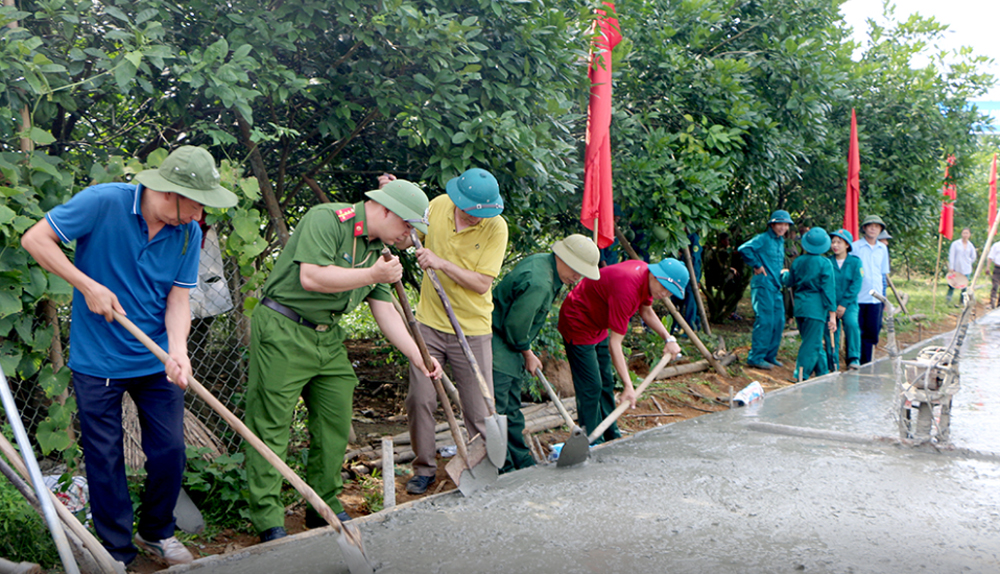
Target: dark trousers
594,383
996,285
161,416
870,322
507,391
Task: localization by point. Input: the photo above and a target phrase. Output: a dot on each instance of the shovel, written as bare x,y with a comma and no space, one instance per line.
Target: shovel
495,425
470,474
349,539
624,406
576,449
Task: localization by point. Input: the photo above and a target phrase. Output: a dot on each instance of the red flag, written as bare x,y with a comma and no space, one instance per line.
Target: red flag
853,181
946,226
993,191
597,199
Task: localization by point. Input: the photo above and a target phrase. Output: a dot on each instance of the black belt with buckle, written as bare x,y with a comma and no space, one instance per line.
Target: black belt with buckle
272,304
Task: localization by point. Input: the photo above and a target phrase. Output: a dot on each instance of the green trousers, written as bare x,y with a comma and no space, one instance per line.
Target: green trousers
812,358
594,383
508,399
287,361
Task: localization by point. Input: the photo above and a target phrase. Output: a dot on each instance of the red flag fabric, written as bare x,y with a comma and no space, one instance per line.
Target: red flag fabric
597,193
853,181
993,191
947,225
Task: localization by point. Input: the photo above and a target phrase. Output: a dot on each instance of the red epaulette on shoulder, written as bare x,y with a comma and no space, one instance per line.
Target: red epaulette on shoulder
345,214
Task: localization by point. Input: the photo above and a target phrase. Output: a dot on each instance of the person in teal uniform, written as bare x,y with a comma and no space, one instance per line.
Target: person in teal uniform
765,254
521,303
812,278
847,278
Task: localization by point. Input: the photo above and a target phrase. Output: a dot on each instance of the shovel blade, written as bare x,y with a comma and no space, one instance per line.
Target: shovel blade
575,450
349,540
482,473
496,439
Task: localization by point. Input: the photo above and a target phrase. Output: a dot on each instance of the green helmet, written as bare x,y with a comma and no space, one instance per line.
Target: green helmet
189,171
873,219
404,199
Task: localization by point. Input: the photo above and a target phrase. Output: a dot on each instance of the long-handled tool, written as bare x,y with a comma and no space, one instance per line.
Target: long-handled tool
610,419
494,425
470,474
576,449
349,539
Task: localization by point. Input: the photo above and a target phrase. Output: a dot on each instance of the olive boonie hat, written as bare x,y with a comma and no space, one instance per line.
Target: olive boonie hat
816,241
476,192
873,219
780,216
673,275
404,199
189,171
580,254
845,235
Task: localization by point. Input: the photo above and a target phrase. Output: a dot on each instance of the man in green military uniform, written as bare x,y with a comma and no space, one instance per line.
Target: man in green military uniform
332,262
521,303
765,253
815,302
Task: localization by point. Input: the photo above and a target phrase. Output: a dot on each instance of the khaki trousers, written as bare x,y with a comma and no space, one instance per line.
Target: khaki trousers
422,400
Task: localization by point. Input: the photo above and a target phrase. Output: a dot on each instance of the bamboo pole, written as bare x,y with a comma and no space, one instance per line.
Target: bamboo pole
937,269
693,284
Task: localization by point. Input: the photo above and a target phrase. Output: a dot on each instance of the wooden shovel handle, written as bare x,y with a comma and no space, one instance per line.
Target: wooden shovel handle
554,397
624,406
487,395
300,485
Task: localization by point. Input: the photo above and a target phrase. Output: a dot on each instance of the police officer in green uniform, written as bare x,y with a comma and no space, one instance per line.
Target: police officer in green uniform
521,303
847,279
812,279
330,265
765,253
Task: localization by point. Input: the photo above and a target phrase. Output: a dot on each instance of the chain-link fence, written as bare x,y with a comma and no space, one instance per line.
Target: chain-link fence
218,344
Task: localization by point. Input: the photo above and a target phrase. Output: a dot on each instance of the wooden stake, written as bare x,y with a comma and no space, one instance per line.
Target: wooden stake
388,474
693,284
937,269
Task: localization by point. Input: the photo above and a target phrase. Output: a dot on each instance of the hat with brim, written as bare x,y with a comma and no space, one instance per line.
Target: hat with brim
956,280
884,235
780,216
189,171
404,199
580,254
845,236
816,241
476,192
672,274
873,219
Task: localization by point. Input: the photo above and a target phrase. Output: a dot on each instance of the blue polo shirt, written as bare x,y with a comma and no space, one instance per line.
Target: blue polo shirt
874,264
113,248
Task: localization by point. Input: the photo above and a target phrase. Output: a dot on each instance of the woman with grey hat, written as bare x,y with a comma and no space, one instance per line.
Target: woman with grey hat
137,248
811,277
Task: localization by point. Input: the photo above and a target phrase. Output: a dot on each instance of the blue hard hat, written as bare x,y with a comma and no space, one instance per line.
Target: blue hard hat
816,241
780,216
672,274
845,235
476,192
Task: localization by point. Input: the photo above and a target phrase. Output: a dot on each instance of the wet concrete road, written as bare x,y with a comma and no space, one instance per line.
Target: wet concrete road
714,495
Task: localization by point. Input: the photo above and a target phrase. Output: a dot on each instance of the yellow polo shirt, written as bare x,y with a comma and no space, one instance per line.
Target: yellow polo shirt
478,248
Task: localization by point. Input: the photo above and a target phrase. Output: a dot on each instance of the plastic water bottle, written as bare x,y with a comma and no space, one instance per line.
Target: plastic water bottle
749,395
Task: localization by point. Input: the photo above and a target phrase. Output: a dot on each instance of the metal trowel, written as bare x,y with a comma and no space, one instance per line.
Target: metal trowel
576,449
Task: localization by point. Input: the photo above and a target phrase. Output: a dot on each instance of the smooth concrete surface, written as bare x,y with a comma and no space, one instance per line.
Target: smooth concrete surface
713,495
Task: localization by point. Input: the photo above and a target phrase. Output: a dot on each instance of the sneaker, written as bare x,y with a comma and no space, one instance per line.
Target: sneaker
314,520
273,534
777,363
169,550
764,366
854,366
419,484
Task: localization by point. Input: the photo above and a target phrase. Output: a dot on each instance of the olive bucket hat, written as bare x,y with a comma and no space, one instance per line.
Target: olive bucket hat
404,199
780,216
845,235
816,241
673,275
580,253
476,192
873,219
189,171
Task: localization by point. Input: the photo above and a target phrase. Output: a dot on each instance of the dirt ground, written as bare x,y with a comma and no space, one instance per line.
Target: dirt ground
379,411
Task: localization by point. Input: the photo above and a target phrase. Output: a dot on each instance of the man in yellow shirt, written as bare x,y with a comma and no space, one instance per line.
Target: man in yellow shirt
465,245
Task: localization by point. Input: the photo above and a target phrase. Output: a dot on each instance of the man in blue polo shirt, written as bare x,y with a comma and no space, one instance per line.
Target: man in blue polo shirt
874,266
137,250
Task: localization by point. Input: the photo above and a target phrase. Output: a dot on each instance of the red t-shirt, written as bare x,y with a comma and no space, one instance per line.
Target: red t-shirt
593,307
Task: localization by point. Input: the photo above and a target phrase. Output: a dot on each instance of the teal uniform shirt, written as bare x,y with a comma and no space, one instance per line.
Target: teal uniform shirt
847,279
765,250
811,276
521,304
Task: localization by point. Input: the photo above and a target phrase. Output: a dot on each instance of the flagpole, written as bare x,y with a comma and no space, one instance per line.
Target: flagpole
937,269
595,232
